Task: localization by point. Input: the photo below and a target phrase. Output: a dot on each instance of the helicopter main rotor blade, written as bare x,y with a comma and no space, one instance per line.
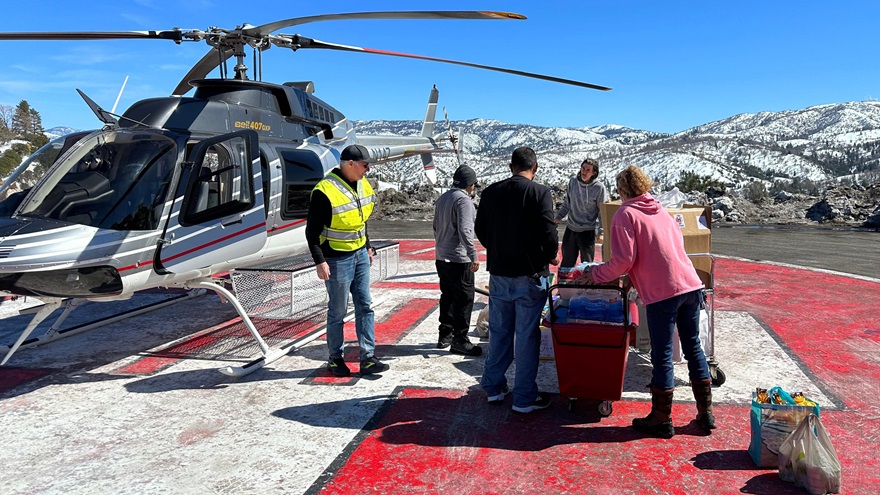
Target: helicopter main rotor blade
313,43
203,67
175,35
437,14
209,62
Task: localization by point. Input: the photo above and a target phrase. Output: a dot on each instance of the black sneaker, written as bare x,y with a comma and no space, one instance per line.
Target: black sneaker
371,366
542,402
444,342
499,397
463,345
338,367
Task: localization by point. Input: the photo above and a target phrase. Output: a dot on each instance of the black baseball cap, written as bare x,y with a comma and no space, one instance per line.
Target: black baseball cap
463,177
355,152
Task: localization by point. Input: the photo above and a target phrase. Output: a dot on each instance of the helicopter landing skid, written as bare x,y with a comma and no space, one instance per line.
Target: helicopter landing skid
269,354
238,371
55,332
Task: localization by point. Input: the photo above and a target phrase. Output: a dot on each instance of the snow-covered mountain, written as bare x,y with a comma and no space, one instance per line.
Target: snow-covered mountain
817,143
58,132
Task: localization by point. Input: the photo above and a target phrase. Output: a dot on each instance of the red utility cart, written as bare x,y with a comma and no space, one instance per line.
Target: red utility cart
590,355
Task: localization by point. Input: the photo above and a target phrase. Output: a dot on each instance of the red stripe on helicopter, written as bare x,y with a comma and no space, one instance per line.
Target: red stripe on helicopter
286,226
216,241
137,265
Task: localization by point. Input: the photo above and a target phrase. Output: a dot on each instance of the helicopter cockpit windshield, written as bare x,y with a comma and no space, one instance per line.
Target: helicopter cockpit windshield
113,180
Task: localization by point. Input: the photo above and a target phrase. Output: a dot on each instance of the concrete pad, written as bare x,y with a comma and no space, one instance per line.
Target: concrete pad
79,416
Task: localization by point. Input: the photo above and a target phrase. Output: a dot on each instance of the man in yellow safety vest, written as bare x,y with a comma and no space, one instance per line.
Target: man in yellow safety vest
336,231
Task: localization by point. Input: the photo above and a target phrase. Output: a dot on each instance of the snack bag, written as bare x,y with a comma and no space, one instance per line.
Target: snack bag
772,422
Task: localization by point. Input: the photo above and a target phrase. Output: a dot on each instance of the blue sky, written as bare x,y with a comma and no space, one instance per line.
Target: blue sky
672,65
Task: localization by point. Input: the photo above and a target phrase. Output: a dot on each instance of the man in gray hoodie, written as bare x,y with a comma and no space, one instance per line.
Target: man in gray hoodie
456,260
582,199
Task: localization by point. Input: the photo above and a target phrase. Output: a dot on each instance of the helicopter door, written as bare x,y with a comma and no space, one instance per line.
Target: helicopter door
218,213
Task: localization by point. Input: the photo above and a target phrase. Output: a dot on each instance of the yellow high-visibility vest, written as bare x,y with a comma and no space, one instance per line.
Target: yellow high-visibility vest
350,211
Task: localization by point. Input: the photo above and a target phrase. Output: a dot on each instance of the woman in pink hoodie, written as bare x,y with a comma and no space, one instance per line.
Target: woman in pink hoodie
647,244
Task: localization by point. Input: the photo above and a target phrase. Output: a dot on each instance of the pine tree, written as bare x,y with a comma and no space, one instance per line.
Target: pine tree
36,122
22,121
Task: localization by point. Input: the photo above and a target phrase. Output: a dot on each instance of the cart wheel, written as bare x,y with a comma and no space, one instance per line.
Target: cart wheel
718,376
605,408
572,405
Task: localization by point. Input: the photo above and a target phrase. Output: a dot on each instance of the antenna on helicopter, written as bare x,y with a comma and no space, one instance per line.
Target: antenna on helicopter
113,110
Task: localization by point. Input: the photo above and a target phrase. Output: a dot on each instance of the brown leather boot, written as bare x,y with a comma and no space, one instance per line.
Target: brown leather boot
658,422
703,395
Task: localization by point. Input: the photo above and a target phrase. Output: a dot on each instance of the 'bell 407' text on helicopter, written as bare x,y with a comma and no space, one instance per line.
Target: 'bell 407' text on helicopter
179,189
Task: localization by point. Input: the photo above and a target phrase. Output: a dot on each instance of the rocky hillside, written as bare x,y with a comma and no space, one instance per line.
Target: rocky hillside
827,157
854,206
817,144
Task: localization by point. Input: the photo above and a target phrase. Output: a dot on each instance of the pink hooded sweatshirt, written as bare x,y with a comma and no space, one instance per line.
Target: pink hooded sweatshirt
647,244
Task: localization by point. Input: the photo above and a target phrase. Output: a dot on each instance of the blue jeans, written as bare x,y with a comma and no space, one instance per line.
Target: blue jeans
350,273
515,305
683,310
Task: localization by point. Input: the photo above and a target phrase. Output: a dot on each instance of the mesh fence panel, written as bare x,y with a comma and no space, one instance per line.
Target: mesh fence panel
291,289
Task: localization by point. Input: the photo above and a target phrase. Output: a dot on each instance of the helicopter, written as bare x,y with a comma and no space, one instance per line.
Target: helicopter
180,189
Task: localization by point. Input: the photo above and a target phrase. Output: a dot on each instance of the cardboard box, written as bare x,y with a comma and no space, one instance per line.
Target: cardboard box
696,227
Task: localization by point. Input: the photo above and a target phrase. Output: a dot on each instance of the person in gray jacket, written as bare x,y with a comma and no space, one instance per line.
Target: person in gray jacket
582,199
456,260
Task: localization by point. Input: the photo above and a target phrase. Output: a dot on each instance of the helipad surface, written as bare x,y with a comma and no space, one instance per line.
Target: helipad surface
138,406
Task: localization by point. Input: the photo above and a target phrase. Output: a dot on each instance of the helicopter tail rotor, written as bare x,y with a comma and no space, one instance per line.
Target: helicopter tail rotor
453,138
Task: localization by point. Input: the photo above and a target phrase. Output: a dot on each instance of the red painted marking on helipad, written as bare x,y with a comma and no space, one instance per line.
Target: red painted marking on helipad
823,318
168,356
453,441
390,329
272,331
408,285
443,441
413,250
11,378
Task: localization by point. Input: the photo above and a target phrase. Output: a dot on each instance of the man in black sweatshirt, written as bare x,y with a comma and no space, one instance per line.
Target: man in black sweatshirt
515,223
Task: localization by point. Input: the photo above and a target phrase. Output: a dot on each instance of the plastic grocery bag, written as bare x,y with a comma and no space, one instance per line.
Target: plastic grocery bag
672,198
807,458
773,423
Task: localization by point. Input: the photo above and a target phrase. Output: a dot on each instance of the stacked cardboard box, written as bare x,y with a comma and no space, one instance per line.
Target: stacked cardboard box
696,228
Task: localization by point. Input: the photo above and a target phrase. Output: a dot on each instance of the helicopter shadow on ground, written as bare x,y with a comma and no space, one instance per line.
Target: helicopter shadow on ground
69,360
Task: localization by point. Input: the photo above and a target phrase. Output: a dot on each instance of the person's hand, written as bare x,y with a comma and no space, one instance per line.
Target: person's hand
323,270
371,252
600,239
556,221
586,278
475,266
555,261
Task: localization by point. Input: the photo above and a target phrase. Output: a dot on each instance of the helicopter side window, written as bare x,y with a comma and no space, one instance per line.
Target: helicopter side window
222,184
301,170
141,185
